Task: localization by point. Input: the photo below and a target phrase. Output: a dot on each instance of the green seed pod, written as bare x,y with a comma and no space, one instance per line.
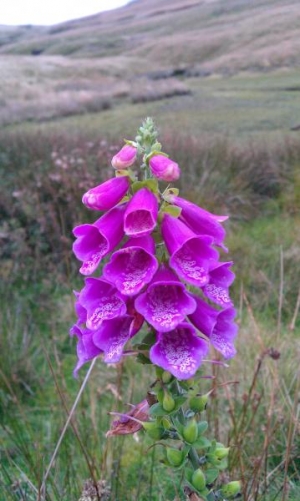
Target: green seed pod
198,480
168,402
190,431
175,456
221,453
166,423
232,489
154,430
198,404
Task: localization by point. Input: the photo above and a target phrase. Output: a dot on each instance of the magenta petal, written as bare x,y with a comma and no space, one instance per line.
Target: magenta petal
86,349
217,325
96,240
133,266
102,302
112,337
141,214
191,255
166,302
125,157
108,194
179,351
217,289
164,168
201,221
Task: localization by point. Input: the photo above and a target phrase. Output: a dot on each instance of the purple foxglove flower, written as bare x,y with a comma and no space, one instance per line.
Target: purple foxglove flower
201,221
220,278
164,168
86,349
133,266
125,157
191,254
96,240
179,351
102,302
218,326
141,214
112,336
106,195
137,318
166,301
79,310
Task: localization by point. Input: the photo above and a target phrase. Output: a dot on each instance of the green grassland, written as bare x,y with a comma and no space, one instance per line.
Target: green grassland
221,80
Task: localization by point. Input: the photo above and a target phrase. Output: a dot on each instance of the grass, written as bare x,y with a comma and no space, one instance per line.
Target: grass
254,407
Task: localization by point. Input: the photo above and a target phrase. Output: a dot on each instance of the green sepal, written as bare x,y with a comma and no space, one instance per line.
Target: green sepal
202,427
154,430
143,359
202,443
188,480
173,210
211,475
170,192
151,184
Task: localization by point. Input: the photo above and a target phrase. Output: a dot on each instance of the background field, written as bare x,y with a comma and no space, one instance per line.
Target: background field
221,80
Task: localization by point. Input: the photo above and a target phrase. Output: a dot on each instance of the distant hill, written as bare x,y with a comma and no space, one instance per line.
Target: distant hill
205,35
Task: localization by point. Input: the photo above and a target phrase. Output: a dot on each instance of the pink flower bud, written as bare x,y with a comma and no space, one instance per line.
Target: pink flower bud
164,168
125,157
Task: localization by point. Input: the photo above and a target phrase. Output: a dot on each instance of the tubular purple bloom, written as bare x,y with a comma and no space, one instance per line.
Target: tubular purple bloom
191,254
141,214
201,221
112,337
220,278
166,302
102,302
79,310
218,326
164,168
125,157
179,351
96,240
133,266
108,194
86,349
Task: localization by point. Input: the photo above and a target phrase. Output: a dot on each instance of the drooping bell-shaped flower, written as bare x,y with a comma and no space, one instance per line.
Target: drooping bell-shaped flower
179,351
141,214
108,194
112,336
164,168
217,289
102,301
217,325
79,310
86,348
200,221
125,157
133,266
166,301
94,241
190,255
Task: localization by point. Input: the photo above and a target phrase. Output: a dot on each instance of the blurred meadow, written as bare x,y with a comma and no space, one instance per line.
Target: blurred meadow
222,82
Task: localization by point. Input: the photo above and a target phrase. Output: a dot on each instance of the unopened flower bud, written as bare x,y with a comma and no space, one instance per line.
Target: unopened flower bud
166,423
232,489
190,431
198,479
154,430
198,403
175,456
168,402
125,157
164,168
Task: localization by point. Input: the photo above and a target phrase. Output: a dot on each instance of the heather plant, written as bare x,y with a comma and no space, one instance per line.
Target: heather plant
156,289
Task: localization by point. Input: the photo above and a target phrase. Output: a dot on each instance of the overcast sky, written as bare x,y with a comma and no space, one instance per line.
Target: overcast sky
16,12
